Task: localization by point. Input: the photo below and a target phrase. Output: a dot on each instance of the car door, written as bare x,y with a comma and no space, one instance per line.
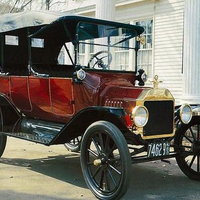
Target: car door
39,91
18,87
61,96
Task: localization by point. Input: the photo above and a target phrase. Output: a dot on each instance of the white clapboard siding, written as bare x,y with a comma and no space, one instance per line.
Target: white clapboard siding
167,39
168,44
135,11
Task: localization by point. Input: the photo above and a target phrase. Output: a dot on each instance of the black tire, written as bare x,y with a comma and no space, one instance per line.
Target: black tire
105,161
187,144
74,144
3,141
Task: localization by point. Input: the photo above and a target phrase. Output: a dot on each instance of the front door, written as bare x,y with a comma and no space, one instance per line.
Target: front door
62,99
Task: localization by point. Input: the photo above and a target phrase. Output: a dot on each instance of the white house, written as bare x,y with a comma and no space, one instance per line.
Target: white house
172,38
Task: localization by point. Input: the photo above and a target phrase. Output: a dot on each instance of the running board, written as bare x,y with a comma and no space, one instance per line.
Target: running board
46,139
36,131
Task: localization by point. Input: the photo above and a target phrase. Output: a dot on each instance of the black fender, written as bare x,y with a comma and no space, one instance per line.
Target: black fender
79,123
9,115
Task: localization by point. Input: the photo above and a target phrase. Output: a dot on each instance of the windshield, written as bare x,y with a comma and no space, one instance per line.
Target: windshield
105,47
88,42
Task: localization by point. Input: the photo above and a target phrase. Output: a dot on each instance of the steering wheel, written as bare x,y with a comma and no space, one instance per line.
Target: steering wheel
97,61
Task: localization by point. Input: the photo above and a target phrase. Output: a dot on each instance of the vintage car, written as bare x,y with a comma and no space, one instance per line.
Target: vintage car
73,80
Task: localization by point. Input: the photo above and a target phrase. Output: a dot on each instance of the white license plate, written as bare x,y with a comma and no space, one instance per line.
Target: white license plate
157,149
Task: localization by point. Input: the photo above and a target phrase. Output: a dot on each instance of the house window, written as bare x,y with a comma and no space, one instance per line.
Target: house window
85,52
145,51
122,55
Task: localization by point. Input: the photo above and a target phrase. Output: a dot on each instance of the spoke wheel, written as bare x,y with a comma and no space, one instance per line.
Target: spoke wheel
105,160
74,144
187,143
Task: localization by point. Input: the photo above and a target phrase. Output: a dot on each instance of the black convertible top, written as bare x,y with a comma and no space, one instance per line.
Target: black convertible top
51,19
13,21
72,21
56,29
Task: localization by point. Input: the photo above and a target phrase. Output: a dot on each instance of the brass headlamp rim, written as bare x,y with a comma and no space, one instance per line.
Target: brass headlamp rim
133,115
182,112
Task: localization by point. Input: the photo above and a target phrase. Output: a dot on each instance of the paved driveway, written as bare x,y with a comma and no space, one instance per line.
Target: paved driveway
31,171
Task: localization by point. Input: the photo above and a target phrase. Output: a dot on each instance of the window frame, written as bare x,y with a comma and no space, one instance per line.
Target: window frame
149,64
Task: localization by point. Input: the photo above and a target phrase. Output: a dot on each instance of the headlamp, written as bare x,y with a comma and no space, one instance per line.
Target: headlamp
140,116
185,113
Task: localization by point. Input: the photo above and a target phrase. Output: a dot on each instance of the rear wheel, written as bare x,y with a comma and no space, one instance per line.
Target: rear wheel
74,144
187,143
3,140
105,160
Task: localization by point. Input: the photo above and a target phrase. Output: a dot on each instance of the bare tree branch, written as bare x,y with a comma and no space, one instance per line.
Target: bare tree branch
14,5
60,2
20,5
24,5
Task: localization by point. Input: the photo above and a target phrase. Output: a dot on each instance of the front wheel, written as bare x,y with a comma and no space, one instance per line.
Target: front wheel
105,160
187,144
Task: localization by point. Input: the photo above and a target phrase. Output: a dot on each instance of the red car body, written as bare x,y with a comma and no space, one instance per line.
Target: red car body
92,101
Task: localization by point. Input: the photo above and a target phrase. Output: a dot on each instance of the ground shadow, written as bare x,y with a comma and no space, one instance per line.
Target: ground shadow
62,167
153,180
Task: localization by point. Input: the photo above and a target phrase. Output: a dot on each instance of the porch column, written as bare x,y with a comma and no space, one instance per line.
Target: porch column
191,52
105,9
